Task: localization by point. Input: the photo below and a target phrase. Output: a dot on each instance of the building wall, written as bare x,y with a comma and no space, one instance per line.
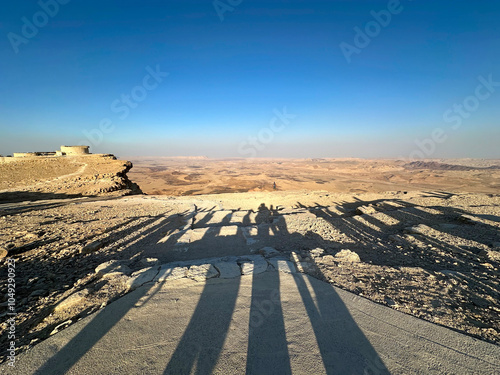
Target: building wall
75,150
65,150
23,154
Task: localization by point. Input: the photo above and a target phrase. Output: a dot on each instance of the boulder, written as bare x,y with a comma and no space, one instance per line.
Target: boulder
307,267
396,238
347,256
469,219
149,262
113,268
327,259
91,247
316,252
72,300
493,255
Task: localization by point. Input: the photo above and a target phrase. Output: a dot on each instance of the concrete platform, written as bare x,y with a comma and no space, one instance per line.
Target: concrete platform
268,323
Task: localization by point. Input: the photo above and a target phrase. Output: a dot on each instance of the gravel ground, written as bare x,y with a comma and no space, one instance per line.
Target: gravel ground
432,255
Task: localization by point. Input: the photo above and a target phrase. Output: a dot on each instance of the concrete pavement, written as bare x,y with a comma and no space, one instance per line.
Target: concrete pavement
267,323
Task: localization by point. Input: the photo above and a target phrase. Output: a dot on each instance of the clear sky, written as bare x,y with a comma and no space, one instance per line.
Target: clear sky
234,78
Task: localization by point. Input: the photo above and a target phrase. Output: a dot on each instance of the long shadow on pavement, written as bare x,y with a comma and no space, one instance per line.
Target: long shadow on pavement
202,341
101,324
342,345
267,343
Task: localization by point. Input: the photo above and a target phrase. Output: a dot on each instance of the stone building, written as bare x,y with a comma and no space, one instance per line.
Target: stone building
74,150
64,151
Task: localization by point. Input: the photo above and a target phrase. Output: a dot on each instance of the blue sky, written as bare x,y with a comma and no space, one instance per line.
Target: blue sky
233,68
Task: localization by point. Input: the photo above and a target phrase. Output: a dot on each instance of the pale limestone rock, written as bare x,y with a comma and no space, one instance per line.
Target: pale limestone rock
202,272
253,267
366,210
170,273
141,277
72,300
228,270
113,268
91,247
283,265
269,252
347,256
149,262
316,252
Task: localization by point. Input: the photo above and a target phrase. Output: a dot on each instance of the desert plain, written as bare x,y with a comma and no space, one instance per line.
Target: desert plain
420,237
200,175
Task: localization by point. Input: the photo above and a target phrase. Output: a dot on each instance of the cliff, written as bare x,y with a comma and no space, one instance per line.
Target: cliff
59,177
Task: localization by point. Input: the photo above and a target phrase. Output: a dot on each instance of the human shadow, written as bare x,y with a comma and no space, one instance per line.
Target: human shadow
21,202
431,239
366,232
33,196
343,346
202,342
103,321
341,343
266,352
77,268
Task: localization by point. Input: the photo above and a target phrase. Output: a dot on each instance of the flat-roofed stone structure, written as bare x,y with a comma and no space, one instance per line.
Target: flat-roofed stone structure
64,151
23,154
75,150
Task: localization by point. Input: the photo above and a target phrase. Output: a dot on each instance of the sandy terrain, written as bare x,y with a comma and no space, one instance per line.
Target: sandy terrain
422,241
188,176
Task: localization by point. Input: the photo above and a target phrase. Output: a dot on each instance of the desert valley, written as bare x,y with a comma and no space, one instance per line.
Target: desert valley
200,175
421,238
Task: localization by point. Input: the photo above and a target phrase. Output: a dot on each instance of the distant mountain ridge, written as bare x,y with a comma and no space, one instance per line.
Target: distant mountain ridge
444,167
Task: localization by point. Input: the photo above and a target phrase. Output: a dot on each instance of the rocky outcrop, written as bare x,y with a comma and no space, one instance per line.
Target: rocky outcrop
65,177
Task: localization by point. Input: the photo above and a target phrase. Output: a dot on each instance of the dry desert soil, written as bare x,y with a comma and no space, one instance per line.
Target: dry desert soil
198,175
422,238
